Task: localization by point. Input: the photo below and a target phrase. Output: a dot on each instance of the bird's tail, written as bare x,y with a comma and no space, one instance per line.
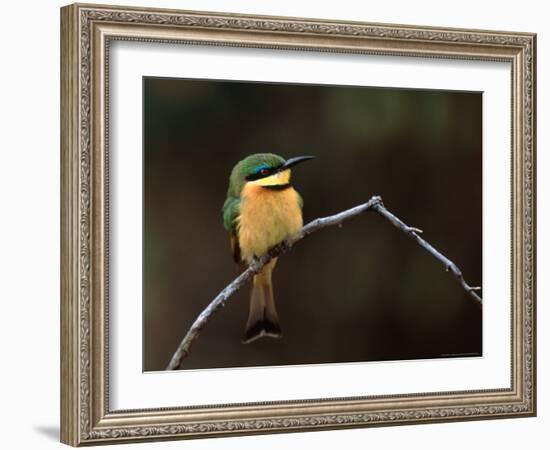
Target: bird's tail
262,315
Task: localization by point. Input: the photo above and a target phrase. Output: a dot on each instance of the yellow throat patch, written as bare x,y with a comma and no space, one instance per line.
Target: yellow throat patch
276,179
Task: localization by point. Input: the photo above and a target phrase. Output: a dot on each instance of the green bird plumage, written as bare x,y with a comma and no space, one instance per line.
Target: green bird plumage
261,210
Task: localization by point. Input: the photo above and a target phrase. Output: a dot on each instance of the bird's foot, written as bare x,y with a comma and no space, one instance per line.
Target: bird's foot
255,264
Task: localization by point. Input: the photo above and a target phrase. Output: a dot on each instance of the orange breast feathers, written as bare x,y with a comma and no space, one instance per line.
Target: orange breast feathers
267,217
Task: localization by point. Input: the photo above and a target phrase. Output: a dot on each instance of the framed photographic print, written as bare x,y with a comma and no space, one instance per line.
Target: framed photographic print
277,224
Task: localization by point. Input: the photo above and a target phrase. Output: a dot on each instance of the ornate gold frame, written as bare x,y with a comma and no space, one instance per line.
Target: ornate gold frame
86,31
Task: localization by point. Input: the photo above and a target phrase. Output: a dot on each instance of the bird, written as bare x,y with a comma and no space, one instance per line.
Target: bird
261,210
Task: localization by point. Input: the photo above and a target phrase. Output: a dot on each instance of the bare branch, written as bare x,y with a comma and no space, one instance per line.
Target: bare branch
374,204
413,233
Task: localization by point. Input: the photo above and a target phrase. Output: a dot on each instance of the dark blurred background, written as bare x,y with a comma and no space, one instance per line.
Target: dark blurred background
363,292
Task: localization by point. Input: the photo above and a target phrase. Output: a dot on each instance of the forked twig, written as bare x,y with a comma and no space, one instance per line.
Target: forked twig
374,204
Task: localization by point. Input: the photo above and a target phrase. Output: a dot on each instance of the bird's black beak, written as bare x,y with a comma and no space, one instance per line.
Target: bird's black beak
294,161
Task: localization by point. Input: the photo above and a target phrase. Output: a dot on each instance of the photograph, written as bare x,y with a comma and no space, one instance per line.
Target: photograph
232,168
272,225
275,224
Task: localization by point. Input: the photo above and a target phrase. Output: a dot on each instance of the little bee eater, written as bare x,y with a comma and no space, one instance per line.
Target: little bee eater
262,209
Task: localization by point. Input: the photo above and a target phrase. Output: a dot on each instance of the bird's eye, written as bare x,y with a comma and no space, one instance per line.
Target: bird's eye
264,171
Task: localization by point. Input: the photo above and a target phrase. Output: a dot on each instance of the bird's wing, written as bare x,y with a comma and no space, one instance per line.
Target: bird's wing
231,211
